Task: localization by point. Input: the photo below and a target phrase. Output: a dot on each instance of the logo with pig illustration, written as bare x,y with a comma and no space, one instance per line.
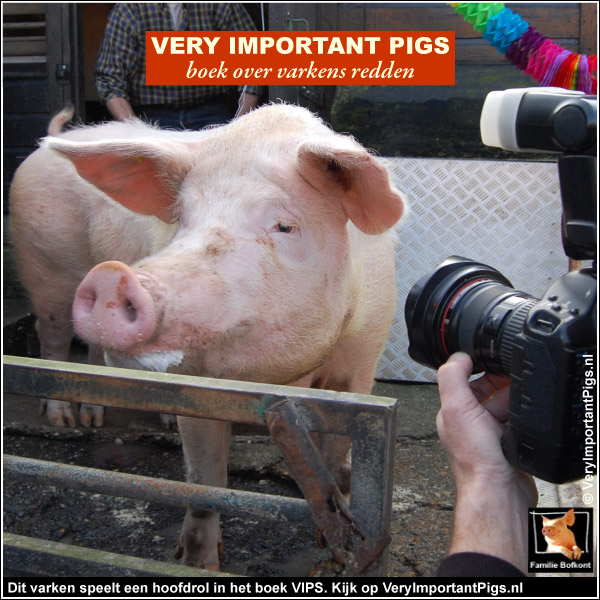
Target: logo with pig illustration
560,540
559,536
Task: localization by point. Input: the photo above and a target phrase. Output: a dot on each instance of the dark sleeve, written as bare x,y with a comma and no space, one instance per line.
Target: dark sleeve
118,55
232,16
473,564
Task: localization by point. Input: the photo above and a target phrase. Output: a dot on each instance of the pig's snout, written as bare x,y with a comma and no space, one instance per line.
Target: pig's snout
111,308
547,531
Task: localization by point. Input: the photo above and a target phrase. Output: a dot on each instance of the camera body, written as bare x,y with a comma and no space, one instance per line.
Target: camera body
546,346
551,354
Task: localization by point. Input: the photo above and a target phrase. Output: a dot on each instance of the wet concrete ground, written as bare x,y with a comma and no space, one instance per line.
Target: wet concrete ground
135,442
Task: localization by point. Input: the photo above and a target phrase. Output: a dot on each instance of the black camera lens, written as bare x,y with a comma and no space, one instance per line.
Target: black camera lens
469,307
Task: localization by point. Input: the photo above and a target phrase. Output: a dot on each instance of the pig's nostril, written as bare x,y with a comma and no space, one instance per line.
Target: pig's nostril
130,311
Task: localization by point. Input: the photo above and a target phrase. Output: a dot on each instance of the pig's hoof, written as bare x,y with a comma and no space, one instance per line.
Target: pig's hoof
198,546
168,421
59,413
195,561
91,415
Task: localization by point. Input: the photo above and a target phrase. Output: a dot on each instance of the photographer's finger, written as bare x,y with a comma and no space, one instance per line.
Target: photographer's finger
439,425
487,385
492,392
497,404
453,378
457,399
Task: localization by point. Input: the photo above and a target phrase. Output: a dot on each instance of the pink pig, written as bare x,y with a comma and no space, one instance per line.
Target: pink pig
559,537
258,251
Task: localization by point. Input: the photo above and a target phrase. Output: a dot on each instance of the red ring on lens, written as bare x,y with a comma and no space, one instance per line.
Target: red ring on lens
458,293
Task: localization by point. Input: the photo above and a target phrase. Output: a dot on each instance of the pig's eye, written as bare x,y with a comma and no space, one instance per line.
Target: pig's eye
285,228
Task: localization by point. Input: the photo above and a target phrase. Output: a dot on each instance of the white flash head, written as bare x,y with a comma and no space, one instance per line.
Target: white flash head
540,119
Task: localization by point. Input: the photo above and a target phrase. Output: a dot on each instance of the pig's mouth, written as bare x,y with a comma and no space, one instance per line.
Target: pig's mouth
159,361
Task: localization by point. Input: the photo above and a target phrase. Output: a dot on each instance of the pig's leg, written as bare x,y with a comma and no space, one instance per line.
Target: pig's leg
205,448
335,449
55,332
92,414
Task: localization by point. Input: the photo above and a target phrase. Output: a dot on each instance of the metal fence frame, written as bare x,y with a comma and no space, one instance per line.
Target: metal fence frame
357,534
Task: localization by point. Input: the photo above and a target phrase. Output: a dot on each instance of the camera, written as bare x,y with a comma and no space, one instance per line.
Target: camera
547,345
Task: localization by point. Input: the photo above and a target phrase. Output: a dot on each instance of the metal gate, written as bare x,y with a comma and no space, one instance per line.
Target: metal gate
357,534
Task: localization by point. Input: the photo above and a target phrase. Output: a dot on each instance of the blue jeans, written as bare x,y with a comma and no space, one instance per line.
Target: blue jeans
193,117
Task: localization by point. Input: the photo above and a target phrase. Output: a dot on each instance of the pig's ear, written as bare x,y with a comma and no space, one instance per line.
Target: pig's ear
570,517
142,175
342,166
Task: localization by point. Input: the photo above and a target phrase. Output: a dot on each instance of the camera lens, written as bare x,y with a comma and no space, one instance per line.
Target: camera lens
465,306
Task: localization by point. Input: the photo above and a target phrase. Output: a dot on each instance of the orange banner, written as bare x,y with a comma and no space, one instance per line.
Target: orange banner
300,58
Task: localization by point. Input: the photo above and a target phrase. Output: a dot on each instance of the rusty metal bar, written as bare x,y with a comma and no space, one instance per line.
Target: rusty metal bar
26,557
345,536
152,489
372,480
186,395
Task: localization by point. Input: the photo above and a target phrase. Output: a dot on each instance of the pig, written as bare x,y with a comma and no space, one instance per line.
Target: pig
261,250
61,227
559,537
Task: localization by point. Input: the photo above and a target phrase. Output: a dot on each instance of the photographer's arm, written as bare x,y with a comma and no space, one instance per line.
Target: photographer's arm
492,497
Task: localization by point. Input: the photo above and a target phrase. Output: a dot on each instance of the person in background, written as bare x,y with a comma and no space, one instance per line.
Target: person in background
120,75
489,537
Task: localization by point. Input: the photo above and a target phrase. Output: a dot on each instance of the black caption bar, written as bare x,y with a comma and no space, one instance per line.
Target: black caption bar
224,587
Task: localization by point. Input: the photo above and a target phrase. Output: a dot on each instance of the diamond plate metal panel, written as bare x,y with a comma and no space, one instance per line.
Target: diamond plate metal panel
505,214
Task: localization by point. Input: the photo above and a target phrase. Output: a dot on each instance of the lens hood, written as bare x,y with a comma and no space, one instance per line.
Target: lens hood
432,298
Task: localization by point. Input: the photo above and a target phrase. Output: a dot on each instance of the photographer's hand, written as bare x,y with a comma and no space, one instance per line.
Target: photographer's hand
492,496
